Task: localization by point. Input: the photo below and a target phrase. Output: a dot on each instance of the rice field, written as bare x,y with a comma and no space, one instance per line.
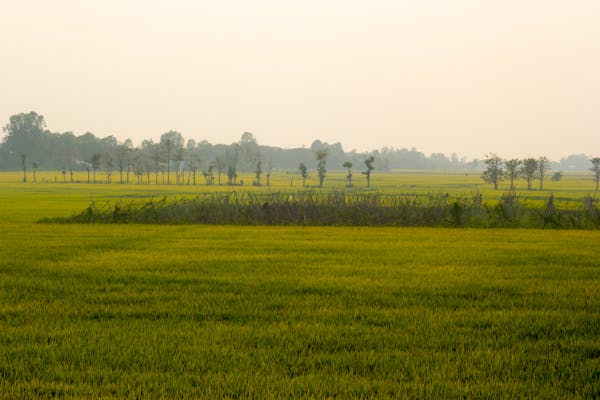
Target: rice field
204,311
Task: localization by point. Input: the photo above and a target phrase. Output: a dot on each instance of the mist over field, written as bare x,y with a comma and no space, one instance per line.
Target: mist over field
316,199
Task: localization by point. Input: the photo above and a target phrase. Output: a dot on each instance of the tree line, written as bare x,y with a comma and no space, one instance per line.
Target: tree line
529,169
28,145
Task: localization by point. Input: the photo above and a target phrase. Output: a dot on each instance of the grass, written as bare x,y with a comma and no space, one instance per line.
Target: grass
96,311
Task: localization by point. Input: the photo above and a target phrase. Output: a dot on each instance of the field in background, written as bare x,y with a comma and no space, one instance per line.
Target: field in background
272,312
32,201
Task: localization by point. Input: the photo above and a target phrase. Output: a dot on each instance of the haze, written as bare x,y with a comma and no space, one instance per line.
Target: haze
515,77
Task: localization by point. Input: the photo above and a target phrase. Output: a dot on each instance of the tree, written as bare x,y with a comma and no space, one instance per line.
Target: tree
95,161
369,164
512,171
122,152
493,172
269,170
25,135
249,149
35,167
557,176
258,172
348,166
304,173
208,175
231,175
596,170
528,169
219,165
108,164
543,168
24,165
321,156
171,141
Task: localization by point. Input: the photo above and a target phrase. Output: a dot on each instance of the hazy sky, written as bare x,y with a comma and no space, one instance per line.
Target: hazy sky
516,77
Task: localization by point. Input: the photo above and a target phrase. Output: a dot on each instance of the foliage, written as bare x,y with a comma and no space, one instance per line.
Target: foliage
512,171
321,156
596,170
369,164
340,208
529,167
493,172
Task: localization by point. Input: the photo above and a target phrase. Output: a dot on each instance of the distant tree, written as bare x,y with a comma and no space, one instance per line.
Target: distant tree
543,168
369,164
180,171
219,164
512,171
529,167
25,135
122,152
268,172
231,175
35,167
493,172
303,173
208,175
108,165
321,156
596,170
153,152
249,151
557,176
24,165
348,166
258,172
64,174
193,159
95,161
171,141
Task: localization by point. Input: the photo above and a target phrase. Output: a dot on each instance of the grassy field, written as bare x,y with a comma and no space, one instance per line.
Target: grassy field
109,311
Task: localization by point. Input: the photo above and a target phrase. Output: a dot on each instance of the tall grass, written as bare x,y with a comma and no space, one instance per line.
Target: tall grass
345,209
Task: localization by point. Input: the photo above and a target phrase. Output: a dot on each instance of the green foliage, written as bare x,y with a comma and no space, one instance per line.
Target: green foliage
369,164
340,208
529,167
321,156
596,170
493,173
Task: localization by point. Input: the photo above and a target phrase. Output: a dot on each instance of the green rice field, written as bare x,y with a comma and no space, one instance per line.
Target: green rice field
199,311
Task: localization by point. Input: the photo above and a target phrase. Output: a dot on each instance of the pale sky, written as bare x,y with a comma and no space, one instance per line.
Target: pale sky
515,77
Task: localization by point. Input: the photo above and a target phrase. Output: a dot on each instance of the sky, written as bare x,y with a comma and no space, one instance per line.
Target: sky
518,78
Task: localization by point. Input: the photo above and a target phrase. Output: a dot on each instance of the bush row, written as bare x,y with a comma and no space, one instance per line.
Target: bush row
345,209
